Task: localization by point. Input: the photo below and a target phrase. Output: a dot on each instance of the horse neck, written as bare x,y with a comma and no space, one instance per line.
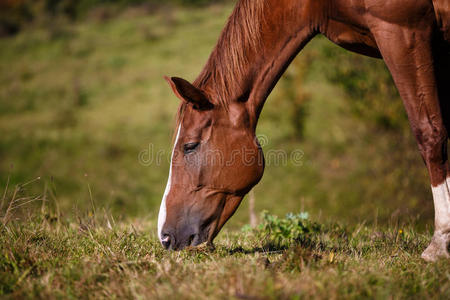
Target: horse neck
246,68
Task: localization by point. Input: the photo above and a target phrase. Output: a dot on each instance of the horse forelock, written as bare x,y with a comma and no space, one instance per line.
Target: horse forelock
225,70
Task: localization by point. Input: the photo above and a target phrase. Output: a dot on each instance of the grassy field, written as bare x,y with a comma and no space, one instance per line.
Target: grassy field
292,258
83,111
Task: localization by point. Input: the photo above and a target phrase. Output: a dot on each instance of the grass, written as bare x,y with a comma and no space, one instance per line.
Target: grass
92,256
88,254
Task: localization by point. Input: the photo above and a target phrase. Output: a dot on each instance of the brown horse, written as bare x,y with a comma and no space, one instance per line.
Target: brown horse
216,160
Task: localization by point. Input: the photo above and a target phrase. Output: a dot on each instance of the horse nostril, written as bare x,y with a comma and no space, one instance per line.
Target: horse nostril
165,241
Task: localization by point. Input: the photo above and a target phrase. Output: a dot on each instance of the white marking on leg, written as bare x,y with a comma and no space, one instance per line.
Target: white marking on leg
441,197
439,243
162,210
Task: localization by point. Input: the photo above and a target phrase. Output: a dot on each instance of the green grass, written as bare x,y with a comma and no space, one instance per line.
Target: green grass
95,257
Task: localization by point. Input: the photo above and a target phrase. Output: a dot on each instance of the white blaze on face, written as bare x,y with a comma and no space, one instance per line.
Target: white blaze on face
441,197
162,210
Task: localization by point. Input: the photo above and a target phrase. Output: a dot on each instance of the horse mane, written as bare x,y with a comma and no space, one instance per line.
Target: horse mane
225,69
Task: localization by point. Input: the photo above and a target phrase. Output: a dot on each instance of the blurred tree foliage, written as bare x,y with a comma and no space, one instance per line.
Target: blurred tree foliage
15,14
366,136
369,87
293,89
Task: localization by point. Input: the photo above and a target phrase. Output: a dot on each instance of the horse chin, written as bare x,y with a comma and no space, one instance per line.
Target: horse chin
211,228
207,235
196,238
207,225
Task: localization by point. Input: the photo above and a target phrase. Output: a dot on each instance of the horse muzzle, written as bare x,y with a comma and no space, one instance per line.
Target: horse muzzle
180,239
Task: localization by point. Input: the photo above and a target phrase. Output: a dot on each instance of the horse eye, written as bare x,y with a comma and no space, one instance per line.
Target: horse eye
190,147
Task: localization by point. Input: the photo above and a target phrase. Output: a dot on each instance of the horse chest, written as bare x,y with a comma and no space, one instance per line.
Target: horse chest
352,37
409,14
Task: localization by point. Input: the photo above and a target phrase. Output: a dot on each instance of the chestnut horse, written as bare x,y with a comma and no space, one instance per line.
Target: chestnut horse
216,159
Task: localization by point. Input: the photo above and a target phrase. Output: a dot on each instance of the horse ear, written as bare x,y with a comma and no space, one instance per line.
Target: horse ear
189,93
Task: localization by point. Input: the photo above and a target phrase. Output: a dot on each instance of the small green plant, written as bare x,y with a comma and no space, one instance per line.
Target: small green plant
283,232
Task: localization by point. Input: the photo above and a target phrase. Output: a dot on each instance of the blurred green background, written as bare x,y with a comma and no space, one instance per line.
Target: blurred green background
82,95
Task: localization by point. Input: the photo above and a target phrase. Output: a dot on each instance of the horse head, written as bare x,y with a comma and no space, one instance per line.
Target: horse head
216,160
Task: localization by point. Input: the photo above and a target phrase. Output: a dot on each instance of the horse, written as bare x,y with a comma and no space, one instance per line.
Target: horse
216,159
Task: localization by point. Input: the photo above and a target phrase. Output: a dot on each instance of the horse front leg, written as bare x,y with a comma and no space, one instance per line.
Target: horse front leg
408,55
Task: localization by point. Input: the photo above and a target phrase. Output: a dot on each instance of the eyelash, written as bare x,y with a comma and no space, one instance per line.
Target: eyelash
190,147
